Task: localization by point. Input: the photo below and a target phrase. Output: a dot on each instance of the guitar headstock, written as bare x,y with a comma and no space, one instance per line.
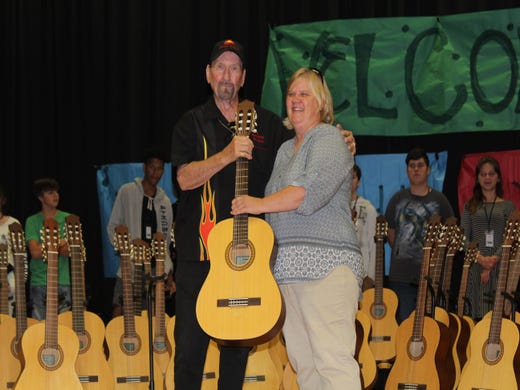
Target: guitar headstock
454,235
16,235
50,235
74,234
381,228
511,231
471,253
141,251
159,246
17,239
245,121
122,240
432,230
3,256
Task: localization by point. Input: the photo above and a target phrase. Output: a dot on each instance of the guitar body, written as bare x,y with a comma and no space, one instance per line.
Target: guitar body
128,354
462,340
91,364
261,371
278,350
49,369
479,372
240,304
427,365
10,353
289,381
364,355
168,380
383,323
452,323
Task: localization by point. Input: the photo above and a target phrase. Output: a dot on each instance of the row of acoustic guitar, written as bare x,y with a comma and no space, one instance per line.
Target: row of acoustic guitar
438,349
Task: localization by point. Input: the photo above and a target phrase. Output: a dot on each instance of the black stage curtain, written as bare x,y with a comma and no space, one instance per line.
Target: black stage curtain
90,82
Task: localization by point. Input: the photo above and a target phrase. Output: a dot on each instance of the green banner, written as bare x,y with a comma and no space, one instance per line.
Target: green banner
407,76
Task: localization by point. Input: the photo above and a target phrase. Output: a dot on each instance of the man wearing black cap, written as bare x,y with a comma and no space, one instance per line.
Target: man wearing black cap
204,151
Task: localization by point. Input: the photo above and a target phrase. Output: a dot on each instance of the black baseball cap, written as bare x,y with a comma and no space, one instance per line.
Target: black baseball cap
227,45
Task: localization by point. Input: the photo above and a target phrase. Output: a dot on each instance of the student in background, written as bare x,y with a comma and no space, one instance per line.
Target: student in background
407,214
46,191
484,219
144,208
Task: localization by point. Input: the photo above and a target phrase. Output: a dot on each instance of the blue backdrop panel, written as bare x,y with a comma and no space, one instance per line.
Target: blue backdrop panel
382,176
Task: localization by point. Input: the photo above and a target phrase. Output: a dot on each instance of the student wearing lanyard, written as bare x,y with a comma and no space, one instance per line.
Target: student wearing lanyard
483,219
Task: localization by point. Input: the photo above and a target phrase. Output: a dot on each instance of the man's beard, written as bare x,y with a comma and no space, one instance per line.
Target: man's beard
225,91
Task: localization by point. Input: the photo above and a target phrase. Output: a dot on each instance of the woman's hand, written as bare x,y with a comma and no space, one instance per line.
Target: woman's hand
246,204
349,138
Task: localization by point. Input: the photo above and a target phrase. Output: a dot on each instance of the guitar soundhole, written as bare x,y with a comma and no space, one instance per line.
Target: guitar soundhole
130,345
84,341
492,353
51,358
378,310
14,348
416,349
240,256
160,345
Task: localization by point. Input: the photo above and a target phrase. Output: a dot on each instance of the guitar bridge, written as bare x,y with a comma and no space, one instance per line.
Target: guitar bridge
88,378
411,386
132,379
239,302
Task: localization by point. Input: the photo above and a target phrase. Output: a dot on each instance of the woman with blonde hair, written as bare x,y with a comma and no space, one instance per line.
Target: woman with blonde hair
318,266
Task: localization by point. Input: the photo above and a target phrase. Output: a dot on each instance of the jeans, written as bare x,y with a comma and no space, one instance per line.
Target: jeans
38,301
407,295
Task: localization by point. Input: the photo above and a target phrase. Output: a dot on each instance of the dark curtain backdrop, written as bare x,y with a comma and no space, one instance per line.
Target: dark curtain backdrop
90,82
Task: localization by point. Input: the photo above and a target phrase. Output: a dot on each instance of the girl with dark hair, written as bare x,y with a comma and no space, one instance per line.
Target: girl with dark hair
484,219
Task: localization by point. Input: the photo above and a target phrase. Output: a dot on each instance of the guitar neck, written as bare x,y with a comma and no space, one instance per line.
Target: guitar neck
160,320
138,288
380,265
422,290
17,239
78,288
380,238
446,282
240,225
128,299
435,271
20,304
498,306
469,258
512,279
51,317
4,286
418,326
159,251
